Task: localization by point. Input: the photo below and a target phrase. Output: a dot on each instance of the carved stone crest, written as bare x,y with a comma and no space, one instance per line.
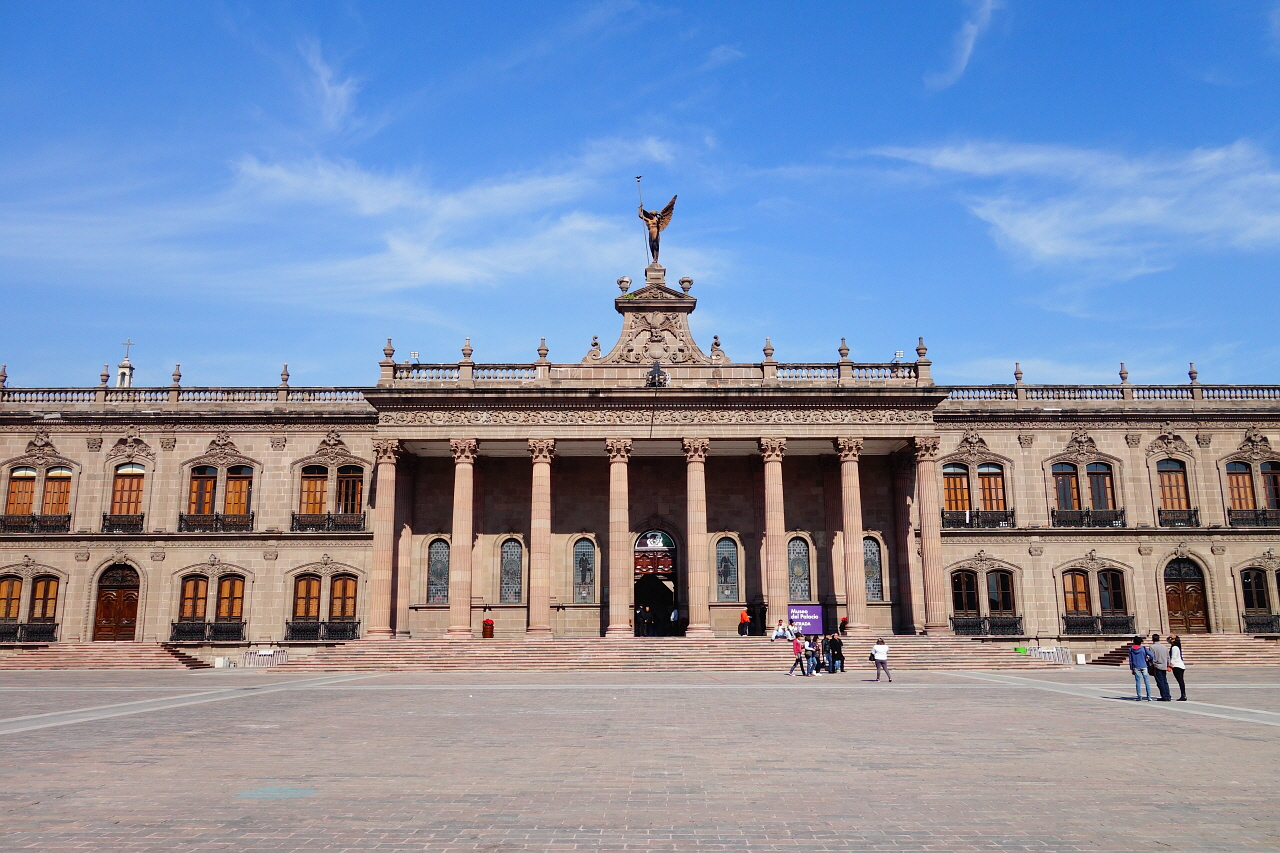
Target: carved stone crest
277,442
271,555
1081,446
1268,560
1026,439
1035,550
131,447
1145,550
1255,446
157,556
1133,439
168,442
972,447
655,327
40,453
1168,442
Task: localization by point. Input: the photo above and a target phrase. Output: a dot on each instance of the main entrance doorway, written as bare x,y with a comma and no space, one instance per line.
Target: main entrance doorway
116,616
655,591
1184,593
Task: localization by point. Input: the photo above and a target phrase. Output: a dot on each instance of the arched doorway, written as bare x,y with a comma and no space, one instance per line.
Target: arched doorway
1184,593
116,615
655,585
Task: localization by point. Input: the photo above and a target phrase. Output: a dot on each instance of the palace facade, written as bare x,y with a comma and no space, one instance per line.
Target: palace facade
561,499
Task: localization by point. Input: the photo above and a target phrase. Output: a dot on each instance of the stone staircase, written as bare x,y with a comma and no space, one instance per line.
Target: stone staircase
101,656
647,655
1210,649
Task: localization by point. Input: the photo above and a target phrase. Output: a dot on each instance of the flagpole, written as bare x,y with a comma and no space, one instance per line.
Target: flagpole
640,193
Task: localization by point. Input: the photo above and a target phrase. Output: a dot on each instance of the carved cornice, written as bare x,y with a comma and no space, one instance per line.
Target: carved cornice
464,450
619,449
695,449
387,450
542,449
773,449
647,417
848,448
926,447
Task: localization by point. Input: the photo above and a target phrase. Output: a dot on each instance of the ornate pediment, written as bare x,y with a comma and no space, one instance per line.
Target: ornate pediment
1255,446
973,449
131,447
655,326
40,453
221,452
981,562
1168,442
332,451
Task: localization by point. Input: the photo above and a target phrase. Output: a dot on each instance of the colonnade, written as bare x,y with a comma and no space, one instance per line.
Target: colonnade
621,555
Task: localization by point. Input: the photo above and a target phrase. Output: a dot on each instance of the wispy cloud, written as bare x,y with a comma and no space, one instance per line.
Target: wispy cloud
963,43
1114,215
334,95
721,55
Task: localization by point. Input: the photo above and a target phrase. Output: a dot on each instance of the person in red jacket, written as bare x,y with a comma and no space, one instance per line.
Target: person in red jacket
797,646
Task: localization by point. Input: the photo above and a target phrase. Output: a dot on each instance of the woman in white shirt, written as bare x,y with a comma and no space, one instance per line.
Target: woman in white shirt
1177,665
880,654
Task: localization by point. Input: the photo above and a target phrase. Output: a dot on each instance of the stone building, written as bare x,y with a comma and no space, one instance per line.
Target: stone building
561,499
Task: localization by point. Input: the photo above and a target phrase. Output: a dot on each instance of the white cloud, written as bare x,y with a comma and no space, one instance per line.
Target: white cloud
335,98
963,43
722,55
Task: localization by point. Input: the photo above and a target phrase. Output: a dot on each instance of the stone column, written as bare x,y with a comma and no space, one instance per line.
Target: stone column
464,459
382,566
621,555
541,450
855,577
695,454
935,583
777,589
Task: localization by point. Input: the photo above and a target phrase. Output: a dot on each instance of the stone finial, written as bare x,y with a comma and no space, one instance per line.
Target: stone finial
177,376
467,350
388,351
1124,374
1017,372
921,349
1193,373
4,377
686,284
104,376
284,376
768,349
624,284
542,350
843,350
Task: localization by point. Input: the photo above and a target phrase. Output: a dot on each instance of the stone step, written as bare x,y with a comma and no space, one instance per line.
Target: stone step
123,655
1205,649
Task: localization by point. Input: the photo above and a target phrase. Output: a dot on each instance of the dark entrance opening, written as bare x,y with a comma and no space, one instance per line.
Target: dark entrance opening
655,586
116,616
1184,593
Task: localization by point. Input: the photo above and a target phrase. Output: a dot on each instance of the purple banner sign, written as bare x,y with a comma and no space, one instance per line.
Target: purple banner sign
808,618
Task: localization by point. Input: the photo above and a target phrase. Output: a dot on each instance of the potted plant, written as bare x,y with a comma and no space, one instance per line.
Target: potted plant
486,631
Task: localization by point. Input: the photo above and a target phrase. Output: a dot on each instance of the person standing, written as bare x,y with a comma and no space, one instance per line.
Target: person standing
837,653
811,655
827,659
744,623
797,647
880,654
1177,665
1160,659
1139,660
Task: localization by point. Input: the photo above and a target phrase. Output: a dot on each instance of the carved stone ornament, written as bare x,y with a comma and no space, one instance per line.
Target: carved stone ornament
27,568
332,450
926,448
82,556
973,448
93,443
387,450
27,562
1268,560
1081,447
168,442
157,556
655,327
772,449
1026,439
464,449
695,449
271,555
642,417
619,449
1255,446
1133,439
131,447
849,449
1035,550
278,442
1145,550
40,453
1091,561
220,453
1182,551
1218,550
1168,442
1204,439
327,566
542,449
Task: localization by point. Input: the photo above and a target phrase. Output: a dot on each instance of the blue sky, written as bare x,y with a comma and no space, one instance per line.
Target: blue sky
237,185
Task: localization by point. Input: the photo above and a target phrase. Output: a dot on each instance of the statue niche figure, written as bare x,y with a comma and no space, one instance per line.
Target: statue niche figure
657,223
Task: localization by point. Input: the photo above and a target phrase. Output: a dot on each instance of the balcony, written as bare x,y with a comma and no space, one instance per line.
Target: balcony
35,524
28,632
1087,517
971,518
207,632
215,523
327,522
122,523
1262,624
1179,517
309,631
1253,517
989,626
1097,625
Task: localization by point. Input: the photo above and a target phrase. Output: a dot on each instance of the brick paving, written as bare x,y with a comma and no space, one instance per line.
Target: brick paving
643,761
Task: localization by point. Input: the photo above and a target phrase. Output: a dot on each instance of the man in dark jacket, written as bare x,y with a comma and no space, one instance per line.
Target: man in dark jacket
837,653
1160,657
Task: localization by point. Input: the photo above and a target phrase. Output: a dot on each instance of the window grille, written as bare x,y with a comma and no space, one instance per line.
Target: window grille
726,569
512,575
874,568
584,571
798,569
438,572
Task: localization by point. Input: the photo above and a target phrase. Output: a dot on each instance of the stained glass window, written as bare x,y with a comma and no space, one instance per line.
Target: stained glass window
726,569
874,568
510,582
584,571
798,569
438,572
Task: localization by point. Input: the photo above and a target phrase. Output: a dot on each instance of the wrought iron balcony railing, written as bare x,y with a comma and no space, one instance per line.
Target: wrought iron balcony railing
28,632
35,523
984,626
1087,517
1179,517
122,523
216,523
954,518
326,522
1097,625
1253,517
207,632
314,631
1262,624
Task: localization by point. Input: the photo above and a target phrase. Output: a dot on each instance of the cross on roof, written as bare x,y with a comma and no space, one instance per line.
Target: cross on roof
128,343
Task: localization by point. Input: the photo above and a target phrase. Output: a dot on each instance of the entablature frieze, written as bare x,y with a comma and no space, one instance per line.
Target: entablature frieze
644,417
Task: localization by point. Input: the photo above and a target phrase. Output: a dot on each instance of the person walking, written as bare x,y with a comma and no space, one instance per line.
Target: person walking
837,653
1139,660
826,653
1177,665
1160,659
880,654
744,623
797,647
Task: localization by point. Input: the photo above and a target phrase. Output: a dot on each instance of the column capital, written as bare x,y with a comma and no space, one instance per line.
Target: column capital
542,449
772,449
619,449
695,449
464,449
387,449
926,448
848,447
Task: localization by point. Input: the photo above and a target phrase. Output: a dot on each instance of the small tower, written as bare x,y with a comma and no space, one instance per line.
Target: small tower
124,370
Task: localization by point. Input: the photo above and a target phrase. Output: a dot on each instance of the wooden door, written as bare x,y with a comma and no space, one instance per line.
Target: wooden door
1187,611
116,617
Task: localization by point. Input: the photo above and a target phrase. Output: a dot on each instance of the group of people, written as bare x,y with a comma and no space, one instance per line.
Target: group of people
1157,661
816,653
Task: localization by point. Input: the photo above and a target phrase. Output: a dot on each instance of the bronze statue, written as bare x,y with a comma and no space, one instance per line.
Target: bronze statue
657,222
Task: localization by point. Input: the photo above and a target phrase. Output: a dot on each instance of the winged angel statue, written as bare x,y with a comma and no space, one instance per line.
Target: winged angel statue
657,222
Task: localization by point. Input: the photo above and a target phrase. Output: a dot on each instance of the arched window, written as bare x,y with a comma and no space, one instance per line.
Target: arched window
1240,486
195,589
1253,585
22,491
1172,474
955,487
239,490
584,571
438,572
798,569
964,593
726,569
204,482
873,566
511,576
1066,488
230,598
342,598
1271,484
10,597
1101,488
1111,592
57,491
991,486
44,599
1000,594
126,489
306,598
350,489
315,482
1075,593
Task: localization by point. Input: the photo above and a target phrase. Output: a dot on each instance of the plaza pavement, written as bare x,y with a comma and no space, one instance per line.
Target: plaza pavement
253,760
